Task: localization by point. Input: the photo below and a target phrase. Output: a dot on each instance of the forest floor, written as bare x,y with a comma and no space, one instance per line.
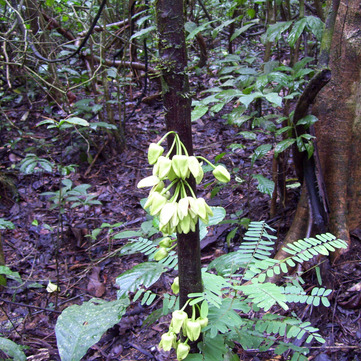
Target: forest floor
85,268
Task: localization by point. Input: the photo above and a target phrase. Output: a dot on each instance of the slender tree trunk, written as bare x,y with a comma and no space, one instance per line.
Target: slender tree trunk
177,107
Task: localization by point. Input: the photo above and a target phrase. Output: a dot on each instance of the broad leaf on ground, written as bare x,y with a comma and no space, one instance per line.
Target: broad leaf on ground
12,349
80,327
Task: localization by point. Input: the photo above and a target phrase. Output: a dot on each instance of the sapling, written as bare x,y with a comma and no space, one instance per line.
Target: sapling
178,212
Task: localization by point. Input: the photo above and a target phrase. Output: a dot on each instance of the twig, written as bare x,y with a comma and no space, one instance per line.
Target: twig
142,350
29,306
95,158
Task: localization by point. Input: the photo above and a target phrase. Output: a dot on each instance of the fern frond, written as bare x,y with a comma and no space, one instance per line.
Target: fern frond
298,295
213,286
264,295
140,245
305,249
287,327
257,245
148,248
222,319
302,250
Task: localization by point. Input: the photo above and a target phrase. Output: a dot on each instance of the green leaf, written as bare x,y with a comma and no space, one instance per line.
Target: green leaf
316,26
12,349
283,145
275,31
144,274
213,348
127,234
6,224
296,31
75,121
105,125
247,99
220,27
5,270
265,295
274,98
308,120
47,121
243,29
143,32
265,185
218,215
248,135
193,29
80,327
260,152
198,112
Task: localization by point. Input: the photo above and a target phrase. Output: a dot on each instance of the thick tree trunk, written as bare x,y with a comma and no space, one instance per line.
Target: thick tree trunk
338,131
339,128
177,107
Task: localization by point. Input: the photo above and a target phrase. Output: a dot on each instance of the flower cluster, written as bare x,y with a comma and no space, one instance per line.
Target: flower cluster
181,211
190,327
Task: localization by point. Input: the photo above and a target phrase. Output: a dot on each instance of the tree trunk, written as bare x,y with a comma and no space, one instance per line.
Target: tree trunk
338,131
177,107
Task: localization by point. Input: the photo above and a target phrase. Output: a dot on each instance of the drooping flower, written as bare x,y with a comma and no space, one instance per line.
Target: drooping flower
182,351
178,318
221,174
167,341
193,329
154,152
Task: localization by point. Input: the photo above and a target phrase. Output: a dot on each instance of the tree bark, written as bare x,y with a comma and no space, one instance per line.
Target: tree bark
177,107
338,131
339,128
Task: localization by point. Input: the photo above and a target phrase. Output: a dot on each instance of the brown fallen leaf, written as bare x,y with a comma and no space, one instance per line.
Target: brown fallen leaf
95,287
356,287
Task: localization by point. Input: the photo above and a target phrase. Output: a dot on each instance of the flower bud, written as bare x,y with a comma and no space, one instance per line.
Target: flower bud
183,205
165,242
154,152
158,202
166,229
193,330
194,166
221,174
193,207
148,181
180,166
182,351
160,254
184,225
200,175
175,286
167,341
203,321
174,220
193,223
162,167
178,318
203,210
167,213
158,187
